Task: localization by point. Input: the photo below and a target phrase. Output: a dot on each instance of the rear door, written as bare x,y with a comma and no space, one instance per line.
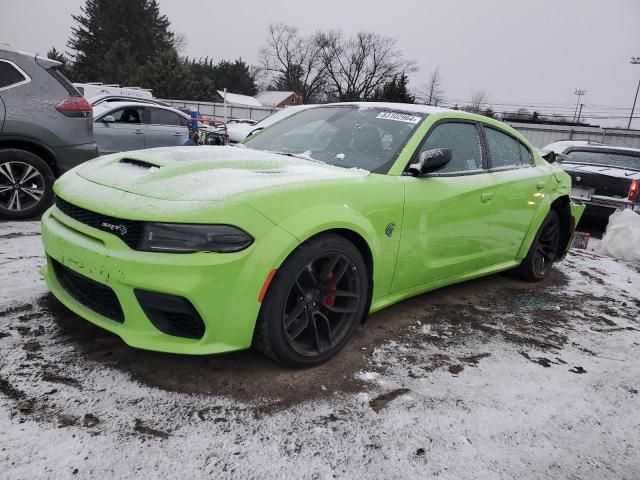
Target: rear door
447,213
520,188
126,132
166,129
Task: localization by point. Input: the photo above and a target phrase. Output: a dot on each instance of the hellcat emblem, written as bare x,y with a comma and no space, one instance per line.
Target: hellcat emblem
121,229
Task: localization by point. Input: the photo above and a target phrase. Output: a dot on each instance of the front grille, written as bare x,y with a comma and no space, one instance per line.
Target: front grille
129,231
93,295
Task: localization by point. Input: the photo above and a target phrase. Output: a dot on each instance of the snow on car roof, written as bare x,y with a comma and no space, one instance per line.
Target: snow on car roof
399,107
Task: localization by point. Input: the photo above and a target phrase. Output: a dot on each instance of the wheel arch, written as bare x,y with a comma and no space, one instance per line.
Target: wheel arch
35,148
562,205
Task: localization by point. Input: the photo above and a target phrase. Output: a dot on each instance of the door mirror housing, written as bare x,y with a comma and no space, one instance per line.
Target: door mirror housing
431,161
108,119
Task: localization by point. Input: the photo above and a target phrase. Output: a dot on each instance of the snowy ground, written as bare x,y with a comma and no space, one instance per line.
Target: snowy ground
490,379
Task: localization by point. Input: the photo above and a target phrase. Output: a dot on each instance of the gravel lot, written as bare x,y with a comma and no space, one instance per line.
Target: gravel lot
493,378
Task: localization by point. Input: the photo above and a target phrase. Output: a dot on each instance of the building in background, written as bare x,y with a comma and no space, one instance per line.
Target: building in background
277,99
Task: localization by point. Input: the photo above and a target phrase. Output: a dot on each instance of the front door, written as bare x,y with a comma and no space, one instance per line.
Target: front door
447,213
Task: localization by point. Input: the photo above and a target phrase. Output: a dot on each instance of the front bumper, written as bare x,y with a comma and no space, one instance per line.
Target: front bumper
222,288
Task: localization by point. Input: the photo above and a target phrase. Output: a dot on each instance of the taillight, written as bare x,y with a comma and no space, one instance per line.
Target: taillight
75,107
633,190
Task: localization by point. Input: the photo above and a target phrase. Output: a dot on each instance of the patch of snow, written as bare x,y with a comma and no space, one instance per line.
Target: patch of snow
622,237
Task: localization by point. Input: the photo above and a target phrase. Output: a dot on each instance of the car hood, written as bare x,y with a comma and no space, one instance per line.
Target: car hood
206,173
601,170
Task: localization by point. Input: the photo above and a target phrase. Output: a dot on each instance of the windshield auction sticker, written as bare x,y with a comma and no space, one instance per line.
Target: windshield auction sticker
399,117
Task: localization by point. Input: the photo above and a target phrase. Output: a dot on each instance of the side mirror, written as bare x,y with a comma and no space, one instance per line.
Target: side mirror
430,161
108,119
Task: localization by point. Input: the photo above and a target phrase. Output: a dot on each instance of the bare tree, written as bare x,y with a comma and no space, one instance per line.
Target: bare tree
357,66
478,99
292,61
432,92
180,42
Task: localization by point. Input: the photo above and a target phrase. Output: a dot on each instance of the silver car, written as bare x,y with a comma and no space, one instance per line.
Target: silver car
131,125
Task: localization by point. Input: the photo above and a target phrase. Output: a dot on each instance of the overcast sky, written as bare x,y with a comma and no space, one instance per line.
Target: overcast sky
520,52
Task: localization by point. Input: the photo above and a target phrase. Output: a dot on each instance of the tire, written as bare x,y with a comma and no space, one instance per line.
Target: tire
26,185
314,303
543,251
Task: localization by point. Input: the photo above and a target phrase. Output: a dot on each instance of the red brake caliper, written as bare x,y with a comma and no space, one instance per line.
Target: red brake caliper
331,300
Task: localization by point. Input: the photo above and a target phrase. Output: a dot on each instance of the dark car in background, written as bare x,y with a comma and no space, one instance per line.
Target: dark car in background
46,128
605,178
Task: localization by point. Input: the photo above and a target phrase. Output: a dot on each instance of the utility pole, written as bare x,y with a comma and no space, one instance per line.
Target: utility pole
579,93
580,113
634,61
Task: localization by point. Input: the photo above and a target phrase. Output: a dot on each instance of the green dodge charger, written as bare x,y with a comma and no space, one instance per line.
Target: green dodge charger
287,242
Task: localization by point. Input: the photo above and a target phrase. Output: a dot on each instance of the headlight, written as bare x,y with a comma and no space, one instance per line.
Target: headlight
187,238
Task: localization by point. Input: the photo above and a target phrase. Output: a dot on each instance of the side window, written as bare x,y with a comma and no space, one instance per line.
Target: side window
462,140
164,117
128,115
10,76
505,150
525,155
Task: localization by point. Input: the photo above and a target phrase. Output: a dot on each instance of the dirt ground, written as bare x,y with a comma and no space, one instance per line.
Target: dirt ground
491,348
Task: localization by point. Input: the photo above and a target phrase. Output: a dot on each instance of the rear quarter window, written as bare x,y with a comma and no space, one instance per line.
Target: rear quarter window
505,151
11,75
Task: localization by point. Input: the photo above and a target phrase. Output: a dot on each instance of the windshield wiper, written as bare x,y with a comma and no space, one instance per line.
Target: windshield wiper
302,156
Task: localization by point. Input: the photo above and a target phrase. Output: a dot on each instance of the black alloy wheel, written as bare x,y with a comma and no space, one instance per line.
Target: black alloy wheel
314,303
547,247
321,301
543,251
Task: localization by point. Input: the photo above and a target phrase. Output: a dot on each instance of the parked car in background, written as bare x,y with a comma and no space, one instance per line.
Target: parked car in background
288,242
135,125
248,121
238,131
45,130
605,178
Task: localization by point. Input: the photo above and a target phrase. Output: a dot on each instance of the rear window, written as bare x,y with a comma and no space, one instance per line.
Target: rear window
64,81
11,75
608,159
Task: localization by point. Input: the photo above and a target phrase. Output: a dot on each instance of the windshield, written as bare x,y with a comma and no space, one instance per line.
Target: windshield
344,136
618,160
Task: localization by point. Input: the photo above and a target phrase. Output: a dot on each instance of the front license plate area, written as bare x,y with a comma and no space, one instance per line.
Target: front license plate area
582,193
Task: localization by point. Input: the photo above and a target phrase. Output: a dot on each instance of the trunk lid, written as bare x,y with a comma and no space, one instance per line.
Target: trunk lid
606,181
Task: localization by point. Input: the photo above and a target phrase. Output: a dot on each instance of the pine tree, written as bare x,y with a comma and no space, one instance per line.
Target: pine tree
395,90
116,35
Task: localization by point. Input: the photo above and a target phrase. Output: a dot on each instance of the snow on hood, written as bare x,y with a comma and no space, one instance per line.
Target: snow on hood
206,173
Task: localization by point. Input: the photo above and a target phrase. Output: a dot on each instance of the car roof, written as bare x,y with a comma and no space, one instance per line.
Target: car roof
399,107
603,148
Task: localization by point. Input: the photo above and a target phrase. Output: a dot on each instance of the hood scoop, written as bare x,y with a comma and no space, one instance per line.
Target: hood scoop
139,163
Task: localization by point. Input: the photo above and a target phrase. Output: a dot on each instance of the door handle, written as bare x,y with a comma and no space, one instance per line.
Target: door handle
177,134
486,197
540,186
139,132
